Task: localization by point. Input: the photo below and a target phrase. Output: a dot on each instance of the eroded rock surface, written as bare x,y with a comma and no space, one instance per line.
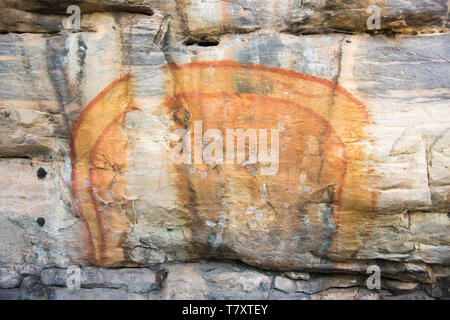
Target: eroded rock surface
90,119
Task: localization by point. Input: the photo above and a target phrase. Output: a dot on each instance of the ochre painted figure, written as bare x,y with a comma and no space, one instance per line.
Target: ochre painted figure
319,199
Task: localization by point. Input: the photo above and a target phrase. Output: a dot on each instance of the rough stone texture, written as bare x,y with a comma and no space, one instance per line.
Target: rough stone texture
201,20
9,278
211,280
87,127
131,280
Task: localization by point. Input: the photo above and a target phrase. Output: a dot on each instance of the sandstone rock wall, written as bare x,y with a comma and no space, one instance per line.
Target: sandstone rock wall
88,122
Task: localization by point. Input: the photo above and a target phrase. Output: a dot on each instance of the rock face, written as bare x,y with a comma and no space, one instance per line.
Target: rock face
289,136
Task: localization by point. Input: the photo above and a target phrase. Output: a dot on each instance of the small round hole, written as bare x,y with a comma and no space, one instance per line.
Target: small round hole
40,221
41,173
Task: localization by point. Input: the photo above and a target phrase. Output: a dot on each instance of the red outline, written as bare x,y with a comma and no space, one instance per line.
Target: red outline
73,155
288,73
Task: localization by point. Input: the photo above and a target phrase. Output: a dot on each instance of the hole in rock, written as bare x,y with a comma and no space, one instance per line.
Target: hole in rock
40,221
202,42
41,173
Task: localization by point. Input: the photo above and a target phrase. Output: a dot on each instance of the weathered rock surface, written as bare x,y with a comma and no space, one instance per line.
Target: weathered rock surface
209,280
204,21
89,120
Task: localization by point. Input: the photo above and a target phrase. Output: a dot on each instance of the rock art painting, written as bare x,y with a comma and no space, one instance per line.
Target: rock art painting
319,200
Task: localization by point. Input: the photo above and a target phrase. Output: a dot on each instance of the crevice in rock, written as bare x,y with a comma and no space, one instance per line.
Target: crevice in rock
208,42
160,278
